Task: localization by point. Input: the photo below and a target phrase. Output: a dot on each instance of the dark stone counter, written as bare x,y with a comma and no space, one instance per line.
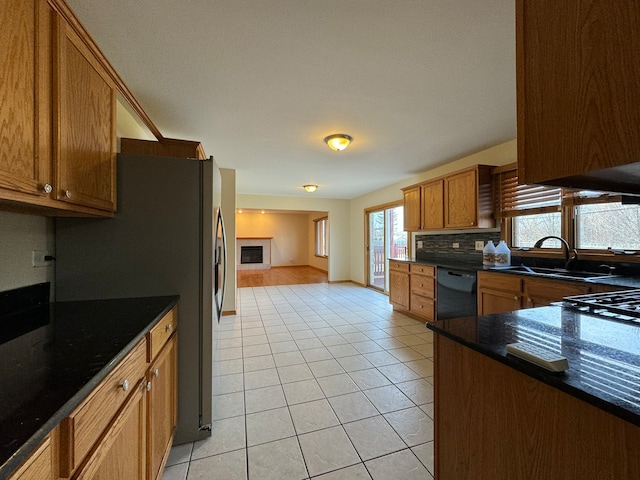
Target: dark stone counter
603,354
54,354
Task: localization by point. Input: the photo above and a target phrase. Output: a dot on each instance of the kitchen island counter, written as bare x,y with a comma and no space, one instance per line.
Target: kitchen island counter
497,416
54,355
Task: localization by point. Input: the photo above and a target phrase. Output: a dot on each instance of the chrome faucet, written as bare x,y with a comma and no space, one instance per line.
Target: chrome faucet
565,245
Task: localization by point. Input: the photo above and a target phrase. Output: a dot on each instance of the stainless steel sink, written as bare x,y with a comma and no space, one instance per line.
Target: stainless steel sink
554,272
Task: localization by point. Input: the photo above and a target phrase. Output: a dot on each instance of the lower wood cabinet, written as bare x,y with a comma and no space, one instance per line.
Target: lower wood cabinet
505,292
124,428
495,423
399,285
412,289
162,407
40,465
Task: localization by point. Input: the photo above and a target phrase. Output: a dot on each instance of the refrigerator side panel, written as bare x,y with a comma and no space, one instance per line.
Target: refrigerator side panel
151,247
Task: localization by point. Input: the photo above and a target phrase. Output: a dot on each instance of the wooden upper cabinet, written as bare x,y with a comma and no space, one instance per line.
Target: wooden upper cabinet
468,200
25,101
460,200
578,93
86,125
433,205
57,113
412,208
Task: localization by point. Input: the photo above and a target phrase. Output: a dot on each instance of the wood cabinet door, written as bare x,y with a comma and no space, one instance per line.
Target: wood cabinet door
496,301
38,466
399,289
460,199
162,408
578,88
25,95
121,452
412,215
433,205
85,100
542,292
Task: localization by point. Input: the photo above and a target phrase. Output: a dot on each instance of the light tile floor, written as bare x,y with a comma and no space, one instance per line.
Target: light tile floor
319,381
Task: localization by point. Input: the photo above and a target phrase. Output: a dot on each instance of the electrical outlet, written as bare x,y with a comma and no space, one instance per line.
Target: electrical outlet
39,258
455,245
419,243
479,245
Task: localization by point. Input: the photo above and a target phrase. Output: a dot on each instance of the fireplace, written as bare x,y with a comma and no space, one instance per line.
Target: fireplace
251,254
254,253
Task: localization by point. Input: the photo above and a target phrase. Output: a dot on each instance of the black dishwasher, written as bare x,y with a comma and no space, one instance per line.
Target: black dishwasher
456,293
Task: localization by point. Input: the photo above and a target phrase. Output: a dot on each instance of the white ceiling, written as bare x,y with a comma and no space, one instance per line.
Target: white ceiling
260,83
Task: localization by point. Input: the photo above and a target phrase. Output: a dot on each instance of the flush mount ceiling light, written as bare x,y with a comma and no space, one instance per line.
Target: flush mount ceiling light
338,141
310,188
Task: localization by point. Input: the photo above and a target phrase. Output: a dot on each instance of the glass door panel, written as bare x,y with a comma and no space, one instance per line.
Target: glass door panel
386,239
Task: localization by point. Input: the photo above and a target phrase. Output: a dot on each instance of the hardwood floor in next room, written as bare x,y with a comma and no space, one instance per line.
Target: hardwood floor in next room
297,275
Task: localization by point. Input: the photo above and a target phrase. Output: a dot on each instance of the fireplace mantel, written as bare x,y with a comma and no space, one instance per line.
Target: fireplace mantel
264,242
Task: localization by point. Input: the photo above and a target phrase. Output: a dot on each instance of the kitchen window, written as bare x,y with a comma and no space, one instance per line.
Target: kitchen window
591,221
322,237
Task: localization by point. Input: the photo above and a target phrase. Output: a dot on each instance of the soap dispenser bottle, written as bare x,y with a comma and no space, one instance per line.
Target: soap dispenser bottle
488,254
502,256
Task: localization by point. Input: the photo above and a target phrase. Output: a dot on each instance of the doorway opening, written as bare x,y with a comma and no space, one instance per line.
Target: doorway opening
386,239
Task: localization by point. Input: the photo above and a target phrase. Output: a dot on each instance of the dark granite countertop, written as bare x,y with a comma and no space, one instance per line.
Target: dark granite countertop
603,354
54,354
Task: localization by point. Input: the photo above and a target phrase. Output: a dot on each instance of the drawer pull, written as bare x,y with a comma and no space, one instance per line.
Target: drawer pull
169,327
156,372
68,194
125,385
148,386
47,188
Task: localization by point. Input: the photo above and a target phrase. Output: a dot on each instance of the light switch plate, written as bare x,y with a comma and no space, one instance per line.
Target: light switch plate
479,245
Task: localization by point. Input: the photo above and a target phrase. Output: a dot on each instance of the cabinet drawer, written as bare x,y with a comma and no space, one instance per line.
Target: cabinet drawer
159,334
423,269
85,425
423,285
399,266
500,281
422,306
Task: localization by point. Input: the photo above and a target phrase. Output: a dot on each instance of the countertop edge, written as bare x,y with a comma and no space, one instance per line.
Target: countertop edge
27,448
551,379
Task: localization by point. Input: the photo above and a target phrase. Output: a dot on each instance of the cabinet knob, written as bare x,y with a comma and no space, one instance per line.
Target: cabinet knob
169,327
125,385
47,188
67,193
148,386
515,297
156,372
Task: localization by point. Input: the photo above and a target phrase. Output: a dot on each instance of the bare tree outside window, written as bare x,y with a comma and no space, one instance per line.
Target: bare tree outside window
608,225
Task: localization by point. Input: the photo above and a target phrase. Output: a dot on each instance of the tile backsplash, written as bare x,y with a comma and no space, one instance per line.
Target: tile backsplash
426,245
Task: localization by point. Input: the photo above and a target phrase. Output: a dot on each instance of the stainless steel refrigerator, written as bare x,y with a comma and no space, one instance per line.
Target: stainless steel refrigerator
167,238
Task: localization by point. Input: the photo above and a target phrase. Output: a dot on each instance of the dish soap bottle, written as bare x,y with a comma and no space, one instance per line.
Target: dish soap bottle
502,257
488,254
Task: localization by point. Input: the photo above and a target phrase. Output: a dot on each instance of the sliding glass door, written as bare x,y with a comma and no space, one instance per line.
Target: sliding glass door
386,239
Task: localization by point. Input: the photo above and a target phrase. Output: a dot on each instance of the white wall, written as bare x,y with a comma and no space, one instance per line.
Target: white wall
339,224
499,155
290,232
19,235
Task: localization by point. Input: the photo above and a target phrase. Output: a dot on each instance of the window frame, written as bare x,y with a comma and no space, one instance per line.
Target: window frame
570,198
321,237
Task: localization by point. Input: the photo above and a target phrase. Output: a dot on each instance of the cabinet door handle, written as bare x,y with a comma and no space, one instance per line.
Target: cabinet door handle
47,188
156,372
125,385
148,386
169,327
68,194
